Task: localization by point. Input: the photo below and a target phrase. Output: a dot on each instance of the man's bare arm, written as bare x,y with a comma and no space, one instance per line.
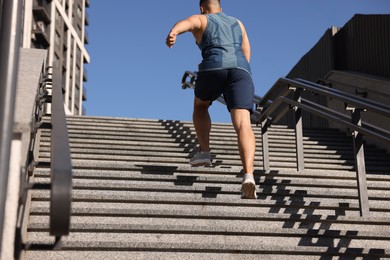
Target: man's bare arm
190,24
246,47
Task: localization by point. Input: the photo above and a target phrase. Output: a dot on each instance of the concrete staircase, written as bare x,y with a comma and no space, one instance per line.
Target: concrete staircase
136,197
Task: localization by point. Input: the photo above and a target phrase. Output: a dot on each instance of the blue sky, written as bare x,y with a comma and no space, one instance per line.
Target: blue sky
133,74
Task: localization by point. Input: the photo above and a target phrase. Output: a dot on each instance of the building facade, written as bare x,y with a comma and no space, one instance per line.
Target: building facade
354,59
361,46
60,27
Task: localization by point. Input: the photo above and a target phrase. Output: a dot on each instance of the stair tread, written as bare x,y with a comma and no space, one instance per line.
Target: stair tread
207,242
162,254
209,226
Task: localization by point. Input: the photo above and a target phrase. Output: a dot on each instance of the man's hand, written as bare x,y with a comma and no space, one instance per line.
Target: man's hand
171,39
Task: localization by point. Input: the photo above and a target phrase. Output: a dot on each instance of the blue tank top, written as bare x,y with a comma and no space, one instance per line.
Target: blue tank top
221,44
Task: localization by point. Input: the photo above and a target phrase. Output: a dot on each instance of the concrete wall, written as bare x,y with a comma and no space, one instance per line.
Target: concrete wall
372,87
313,66
29,71
361,46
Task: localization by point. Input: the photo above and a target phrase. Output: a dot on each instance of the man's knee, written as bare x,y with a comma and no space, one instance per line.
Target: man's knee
241,115
200,104
241,119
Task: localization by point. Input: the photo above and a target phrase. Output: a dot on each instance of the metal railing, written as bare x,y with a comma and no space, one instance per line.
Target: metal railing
286,94
60,185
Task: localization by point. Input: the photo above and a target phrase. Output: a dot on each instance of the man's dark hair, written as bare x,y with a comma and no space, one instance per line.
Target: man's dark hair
206,2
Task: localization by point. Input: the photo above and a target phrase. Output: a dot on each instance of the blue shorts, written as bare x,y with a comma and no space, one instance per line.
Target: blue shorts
236,85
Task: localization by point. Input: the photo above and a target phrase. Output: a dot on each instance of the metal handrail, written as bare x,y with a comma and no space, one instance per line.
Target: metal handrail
356,101
49,91
352,98
279,98
61,165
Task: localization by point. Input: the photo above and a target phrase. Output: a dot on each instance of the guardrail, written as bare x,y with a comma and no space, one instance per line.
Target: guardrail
286,94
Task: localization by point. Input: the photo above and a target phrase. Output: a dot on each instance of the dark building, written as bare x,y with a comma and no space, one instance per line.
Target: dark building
354,59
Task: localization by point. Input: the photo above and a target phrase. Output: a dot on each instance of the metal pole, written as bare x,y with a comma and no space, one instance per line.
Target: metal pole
360,164
10,40
299,132
265,145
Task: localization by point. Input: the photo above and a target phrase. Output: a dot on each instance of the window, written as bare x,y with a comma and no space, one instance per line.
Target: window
78,31
77,95
77,73
70,92
56,61
58,19
57,40
79,12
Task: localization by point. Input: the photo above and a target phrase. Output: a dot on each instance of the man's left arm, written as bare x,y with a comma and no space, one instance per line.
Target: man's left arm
246,47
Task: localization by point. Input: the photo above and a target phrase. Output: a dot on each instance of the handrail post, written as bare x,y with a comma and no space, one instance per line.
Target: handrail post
360,165
10,34
298,131
265,145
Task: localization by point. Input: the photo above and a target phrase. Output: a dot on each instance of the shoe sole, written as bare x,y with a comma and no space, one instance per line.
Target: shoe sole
248,191
200,164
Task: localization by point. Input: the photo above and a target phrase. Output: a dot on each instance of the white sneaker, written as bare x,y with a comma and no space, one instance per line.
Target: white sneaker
248,189
201,159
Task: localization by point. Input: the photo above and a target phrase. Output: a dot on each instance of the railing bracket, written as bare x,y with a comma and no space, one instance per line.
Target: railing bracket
38,186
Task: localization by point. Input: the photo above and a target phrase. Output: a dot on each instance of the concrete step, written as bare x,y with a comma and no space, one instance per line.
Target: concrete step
185,205
180,152
171,124
276,163
167,254
215,130
194,225
219,175
190,139
264,187
222,243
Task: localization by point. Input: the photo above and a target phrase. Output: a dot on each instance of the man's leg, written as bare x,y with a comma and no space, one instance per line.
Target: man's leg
247,145
202,123
246,139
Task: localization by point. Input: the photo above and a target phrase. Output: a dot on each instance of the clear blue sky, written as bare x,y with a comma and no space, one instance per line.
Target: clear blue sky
133,74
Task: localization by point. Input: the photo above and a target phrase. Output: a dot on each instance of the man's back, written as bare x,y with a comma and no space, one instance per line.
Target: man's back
221,44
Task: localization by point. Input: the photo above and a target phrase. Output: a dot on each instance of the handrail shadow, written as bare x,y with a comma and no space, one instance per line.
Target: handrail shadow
301,208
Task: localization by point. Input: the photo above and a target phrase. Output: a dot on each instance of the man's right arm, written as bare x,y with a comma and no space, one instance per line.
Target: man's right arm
190,24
